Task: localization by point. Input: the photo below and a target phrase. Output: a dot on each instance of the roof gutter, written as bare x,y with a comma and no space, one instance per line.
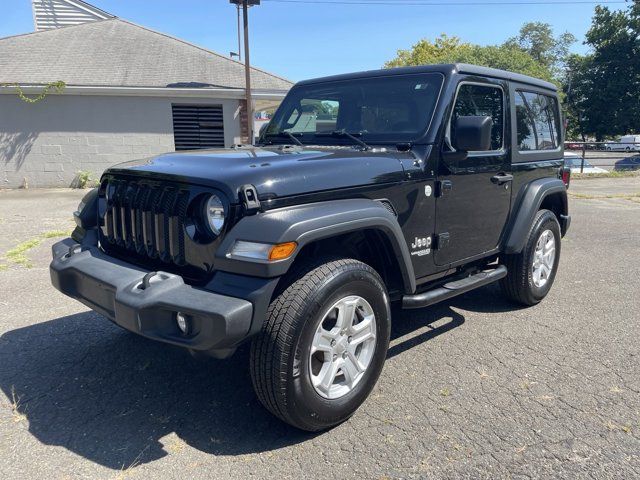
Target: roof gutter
206,92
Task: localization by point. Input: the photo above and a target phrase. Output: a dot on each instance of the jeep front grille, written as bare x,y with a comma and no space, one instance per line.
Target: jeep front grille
146,219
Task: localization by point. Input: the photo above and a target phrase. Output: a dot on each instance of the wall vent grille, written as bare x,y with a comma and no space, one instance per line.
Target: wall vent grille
198,126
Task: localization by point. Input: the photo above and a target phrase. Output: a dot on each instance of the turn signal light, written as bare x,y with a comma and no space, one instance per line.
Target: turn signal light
282,250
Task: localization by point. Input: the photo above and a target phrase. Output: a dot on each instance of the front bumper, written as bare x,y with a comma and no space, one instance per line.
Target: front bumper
118,290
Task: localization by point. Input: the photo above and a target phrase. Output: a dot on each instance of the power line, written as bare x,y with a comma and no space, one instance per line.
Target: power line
417,3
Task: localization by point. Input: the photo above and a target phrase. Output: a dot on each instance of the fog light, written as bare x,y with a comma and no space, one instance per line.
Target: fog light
183,323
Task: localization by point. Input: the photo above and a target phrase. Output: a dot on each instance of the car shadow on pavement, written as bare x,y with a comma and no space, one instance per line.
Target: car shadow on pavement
119,399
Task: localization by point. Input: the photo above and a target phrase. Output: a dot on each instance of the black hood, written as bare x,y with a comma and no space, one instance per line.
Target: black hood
274,171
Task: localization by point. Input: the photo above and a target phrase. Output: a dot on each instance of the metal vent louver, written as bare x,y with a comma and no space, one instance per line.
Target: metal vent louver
198,126
389,206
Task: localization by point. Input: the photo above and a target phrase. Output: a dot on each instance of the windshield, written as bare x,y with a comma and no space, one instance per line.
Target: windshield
393,109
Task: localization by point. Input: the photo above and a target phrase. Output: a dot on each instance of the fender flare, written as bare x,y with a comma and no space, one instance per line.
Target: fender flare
308,223
529,205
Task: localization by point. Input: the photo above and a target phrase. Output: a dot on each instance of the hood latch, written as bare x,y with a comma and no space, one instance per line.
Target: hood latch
249,199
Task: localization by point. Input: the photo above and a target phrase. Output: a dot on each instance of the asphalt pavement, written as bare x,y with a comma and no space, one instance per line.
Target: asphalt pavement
473,388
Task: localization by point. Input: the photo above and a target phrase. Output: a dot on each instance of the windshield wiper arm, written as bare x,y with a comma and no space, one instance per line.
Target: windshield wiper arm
344,133
285,133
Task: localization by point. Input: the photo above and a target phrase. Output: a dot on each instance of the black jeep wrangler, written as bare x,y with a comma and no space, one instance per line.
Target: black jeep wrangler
411,185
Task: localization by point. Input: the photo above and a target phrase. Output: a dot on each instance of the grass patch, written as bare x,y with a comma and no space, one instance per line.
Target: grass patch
17,255
611,174
624,196
17,415
56,234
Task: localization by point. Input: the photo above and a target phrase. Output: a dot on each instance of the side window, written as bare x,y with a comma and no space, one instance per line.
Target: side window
483,101
537,121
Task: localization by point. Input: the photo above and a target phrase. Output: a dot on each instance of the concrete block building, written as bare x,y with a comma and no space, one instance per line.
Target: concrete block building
129,92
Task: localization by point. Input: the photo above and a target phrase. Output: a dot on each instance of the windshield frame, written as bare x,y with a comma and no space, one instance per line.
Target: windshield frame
313,139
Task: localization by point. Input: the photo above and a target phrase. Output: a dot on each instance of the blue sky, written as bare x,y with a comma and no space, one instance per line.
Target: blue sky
298,40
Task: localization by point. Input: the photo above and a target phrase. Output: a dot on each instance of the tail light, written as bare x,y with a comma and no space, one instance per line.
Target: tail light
565,176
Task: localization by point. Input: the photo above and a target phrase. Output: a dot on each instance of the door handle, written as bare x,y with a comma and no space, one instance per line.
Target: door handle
502,178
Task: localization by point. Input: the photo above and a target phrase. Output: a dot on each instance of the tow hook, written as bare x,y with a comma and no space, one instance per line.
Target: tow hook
146,280
73,249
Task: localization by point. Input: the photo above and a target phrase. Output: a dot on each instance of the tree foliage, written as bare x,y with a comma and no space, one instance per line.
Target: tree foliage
538,40
445,49
58,87
603,88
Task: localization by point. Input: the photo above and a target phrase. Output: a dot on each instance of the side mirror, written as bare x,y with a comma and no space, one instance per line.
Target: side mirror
472,134
262,129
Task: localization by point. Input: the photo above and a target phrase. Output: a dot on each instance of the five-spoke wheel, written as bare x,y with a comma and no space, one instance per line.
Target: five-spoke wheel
342,347
544,258
323,344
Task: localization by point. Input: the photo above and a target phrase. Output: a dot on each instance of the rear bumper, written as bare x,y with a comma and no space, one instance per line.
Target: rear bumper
116,290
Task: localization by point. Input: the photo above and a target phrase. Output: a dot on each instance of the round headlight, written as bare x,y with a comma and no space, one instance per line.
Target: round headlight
214,213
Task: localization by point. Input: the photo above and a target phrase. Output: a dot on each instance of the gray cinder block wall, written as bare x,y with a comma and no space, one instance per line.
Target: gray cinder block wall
47,143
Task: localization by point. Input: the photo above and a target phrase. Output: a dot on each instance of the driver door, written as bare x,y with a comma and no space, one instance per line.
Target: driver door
474,193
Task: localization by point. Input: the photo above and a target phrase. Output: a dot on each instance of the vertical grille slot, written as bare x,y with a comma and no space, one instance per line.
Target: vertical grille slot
147,220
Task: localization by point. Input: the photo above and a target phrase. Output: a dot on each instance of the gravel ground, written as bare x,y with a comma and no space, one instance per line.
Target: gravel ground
472,388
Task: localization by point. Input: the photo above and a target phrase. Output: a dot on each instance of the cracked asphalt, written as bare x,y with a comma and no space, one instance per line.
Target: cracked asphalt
472,388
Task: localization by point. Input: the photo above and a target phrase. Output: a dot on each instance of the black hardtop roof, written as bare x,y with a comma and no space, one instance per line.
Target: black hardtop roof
445,69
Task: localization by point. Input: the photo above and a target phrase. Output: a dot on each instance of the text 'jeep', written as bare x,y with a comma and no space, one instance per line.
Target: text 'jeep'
410,185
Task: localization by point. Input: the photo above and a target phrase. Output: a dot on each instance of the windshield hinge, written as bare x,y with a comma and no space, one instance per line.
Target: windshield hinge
442,187
249,199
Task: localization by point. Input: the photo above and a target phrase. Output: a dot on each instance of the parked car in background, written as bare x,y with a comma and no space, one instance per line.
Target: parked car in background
573,145
574,162
627,143
628,163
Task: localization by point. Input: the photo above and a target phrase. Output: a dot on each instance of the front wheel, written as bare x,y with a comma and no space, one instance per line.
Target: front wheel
533,270
323,344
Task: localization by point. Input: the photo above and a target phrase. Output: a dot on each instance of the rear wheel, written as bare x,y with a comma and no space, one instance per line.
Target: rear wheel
533,270
323,344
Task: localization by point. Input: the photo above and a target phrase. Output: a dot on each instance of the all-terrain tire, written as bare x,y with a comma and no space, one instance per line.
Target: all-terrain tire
519,284
279,358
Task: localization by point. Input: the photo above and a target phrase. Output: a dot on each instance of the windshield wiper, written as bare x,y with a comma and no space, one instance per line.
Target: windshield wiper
287,134
344,133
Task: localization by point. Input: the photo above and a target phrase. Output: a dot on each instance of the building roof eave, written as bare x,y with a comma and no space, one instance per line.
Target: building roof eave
222,93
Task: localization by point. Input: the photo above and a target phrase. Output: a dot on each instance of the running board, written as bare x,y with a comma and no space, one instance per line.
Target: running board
452,289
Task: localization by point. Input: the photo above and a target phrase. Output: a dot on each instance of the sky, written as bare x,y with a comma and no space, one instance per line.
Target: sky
305,40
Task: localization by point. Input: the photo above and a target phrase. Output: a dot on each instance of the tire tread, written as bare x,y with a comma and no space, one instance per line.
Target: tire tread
272,348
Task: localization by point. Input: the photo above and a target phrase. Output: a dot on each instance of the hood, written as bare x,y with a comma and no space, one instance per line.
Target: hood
274,171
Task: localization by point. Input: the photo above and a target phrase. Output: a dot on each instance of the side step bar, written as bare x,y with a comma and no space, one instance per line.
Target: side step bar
452,289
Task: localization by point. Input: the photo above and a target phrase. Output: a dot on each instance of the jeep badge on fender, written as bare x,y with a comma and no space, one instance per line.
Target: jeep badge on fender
409,185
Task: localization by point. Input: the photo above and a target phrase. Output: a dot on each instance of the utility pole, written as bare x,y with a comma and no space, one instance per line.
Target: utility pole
247,62
239,41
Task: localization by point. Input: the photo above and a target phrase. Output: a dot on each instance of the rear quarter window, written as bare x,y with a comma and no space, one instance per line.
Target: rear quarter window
536,124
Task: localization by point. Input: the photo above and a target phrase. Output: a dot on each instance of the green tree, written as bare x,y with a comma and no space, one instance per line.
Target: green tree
445,49
603,87
538,40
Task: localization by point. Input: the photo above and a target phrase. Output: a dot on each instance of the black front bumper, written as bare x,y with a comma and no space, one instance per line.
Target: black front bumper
116,290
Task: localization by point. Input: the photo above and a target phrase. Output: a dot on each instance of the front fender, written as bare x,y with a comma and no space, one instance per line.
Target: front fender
308,223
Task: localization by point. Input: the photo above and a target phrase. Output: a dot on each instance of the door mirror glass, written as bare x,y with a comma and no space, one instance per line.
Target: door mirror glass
472,133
